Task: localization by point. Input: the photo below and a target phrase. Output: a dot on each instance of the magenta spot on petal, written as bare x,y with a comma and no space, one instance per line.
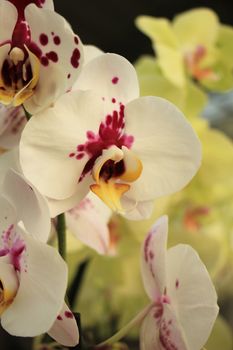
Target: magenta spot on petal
59,318
52,56
74,60
44,39
90,135
115,80
80,148
109,119
71,155
76,40
80,156
151,255
113,100
57,40
146,247
69,314
44,60
52,33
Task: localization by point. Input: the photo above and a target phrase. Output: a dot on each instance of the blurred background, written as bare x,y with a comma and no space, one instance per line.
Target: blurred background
110,26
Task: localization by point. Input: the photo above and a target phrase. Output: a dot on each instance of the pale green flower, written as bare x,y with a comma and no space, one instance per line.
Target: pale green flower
194,45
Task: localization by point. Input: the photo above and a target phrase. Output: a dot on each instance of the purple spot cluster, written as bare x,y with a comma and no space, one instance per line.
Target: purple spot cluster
165,335
111,132
13,246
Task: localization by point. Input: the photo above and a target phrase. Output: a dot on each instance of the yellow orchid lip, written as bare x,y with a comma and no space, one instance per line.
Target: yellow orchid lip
8,286
19,76
111,170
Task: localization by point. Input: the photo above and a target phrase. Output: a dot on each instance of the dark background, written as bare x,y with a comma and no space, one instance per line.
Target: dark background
110,26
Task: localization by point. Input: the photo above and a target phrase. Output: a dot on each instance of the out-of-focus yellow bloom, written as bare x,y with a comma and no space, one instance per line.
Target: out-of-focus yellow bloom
189,98
194,45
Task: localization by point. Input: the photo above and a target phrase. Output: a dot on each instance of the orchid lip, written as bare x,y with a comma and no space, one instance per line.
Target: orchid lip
19,76
112,171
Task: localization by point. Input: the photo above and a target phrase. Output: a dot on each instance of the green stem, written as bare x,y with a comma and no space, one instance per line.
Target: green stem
61,235
27,114
125,330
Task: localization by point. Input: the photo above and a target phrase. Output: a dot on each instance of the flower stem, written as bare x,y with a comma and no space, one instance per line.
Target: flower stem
125,330
76,284
61,235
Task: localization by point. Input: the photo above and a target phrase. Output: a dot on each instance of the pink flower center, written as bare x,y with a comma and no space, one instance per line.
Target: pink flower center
13,246
111,132
193,62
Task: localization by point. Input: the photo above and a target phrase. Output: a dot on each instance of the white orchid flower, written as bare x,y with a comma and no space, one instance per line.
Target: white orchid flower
184,301
38,63
30,287
127,150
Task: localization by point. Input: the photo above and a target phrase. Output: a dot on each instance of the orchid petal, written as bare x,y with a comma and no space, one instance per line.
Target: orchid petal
196,27
88,221
9,159
41,290
65,330
91,52
225,43
34,211
171,332
171,60
153,259
15,121
192,294
159,30
166,145
111,74
8,214
61,169
149,332
136,210
8,19
61,56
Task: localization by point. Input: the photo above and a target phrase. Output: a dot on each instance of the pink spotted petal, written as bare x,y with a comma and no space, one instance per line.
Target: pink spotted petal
65,330
41,289
88,221
149,333
192,294
162,332
60,154
12,122
112,76
61,56
153,259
